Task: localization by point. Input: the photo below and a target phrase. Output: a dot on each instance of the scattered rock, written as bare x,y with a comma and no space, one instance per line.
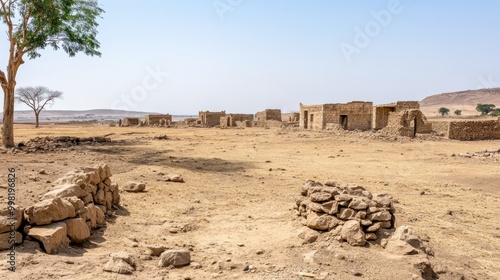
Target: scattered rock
175,258
176,178
156,250
121,263
134,187
309,235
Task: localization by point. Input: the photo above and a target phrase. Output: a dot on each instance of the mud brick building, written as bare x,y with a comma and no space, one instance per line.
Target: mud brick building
151,120
268,115
349,116
130,121
381,112
207,118
236,120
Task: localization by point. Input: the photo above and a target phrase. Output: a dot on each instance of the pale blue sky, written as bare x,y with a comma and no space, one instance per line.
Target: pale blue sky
261,54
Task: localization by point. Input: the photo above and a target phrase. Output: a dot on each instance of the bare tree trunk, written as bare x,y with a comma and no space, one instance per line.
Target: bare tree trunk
36,118
8,117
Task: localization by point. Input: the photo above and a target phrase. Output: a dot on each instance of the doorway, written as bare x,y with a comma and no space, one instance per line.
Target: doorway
344,122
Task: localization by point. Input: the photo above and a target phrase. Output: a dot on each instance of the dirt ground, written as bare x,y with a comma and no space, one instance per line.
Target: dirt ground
235,207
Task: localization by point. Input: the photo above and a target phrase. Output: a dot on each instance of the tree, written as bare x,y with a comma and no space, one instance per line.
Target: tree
33,25
36,98
458,112
485,109
495,112
444,111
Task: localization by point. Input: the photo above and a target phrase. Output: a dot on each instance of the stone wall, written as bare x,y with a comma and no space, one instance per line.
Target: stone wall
69,212
406,123
442,128
474,130
151,120
130,121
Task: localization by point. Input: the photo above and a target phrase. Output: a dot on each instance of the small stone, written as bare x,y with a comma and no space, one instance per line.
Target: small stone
246,267
309,236
175,258
356,273
156,250
173,230
42,172
134,187
260,252
195,265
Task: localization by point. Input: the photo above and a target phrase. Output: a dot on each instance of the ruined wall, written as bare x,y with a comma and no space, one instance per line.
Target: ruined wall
290,117
381,117
232,119
207,118
130,121
441,128
474,130
407,123
156,119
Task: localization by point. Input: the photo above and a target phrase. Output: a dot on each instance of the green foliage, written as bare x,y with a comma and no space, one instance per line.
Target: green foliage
458,112
444,111
485,109
495,112
67,24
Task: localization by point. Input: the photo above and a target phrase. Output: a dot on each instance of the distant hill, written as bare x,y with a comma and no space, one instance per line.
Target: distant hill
84,115
460,100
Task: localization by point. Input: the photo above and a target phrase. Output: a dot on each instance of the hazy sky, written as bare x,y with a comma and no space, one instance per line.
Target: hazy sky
247,55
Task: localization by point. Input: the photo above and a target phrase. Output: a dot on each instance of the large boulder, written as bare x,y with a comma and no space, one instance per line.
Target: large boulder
352,233
10,238
175,258
50,210
77,230
407,234
6,221
52,236
321,221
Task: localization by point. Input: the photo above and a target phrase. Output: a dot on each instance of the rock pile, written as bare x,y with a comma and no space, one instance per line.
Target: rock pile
70,211
348,211
52,143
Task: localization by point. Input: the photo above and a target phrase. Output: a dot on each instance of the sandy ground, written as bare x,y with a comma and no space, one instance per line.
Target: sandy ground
235,207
